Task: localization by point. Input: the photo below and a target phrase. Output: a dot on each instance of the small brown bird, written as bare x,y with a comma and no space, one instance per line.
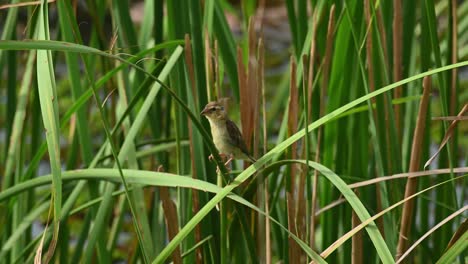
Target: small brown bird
226,135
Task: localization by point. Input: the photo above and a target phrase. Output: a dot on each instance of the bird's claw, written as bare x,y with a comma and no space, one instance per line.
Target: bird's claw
222,155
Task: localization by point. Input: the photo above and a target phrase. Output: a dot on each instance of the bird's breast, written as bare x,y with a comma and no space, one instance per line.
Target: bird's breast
221,137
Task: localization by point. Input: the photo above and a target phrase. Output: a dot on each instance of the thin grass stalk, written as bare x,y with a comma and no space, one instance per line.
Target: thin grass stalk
195,197
454,57
170,215
388,115
453,104
249,119
293,26
228,52
397,56
12,97
370,69
294,251
217,75
292,119
197,26
190,66
369,47
310,89
223,205
211,92
268,248
249,93
356,246
18,121
245,106
302,22
431,20
19,209
312,57
303,209
261,61
243,90
263,224
383,38
411,184
323,95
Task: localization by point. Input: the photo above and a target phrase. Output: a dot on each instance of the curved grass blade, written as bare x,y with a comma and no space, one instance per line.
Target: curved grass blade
50,117
145,178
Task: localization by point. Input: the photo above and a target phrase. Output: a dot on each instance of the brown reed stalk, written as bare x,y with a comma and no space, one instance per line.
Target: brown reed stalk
262,186
412,183
170,215
310,80
301,194
250,95
454,58
356,240
243,91
383,41
397,55
209,69
216,74
294,250
323,91
195,198
370,70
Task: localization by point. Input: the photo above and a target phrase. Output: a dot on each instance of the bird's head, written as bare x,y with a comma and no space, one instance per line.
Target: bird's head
214,111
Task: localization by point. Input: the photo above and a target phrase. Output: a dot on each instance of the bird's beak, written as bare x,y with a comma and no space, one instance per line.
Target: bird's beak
204,111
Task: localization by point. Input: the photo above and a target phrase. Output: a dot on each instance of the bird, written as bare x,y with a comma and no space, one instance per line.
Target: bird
226,135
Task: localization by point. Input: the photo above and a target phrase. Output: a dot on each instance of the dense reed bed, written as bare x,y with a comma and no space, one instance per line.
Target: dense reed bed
356,112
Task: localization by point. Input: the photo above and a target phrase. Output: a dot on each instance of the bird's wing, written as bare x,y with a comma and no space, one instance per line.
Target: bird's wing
236,136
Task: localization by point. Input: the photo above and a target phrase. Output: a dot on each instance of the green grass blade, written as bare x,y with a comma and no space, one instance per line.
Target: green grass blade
49,108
